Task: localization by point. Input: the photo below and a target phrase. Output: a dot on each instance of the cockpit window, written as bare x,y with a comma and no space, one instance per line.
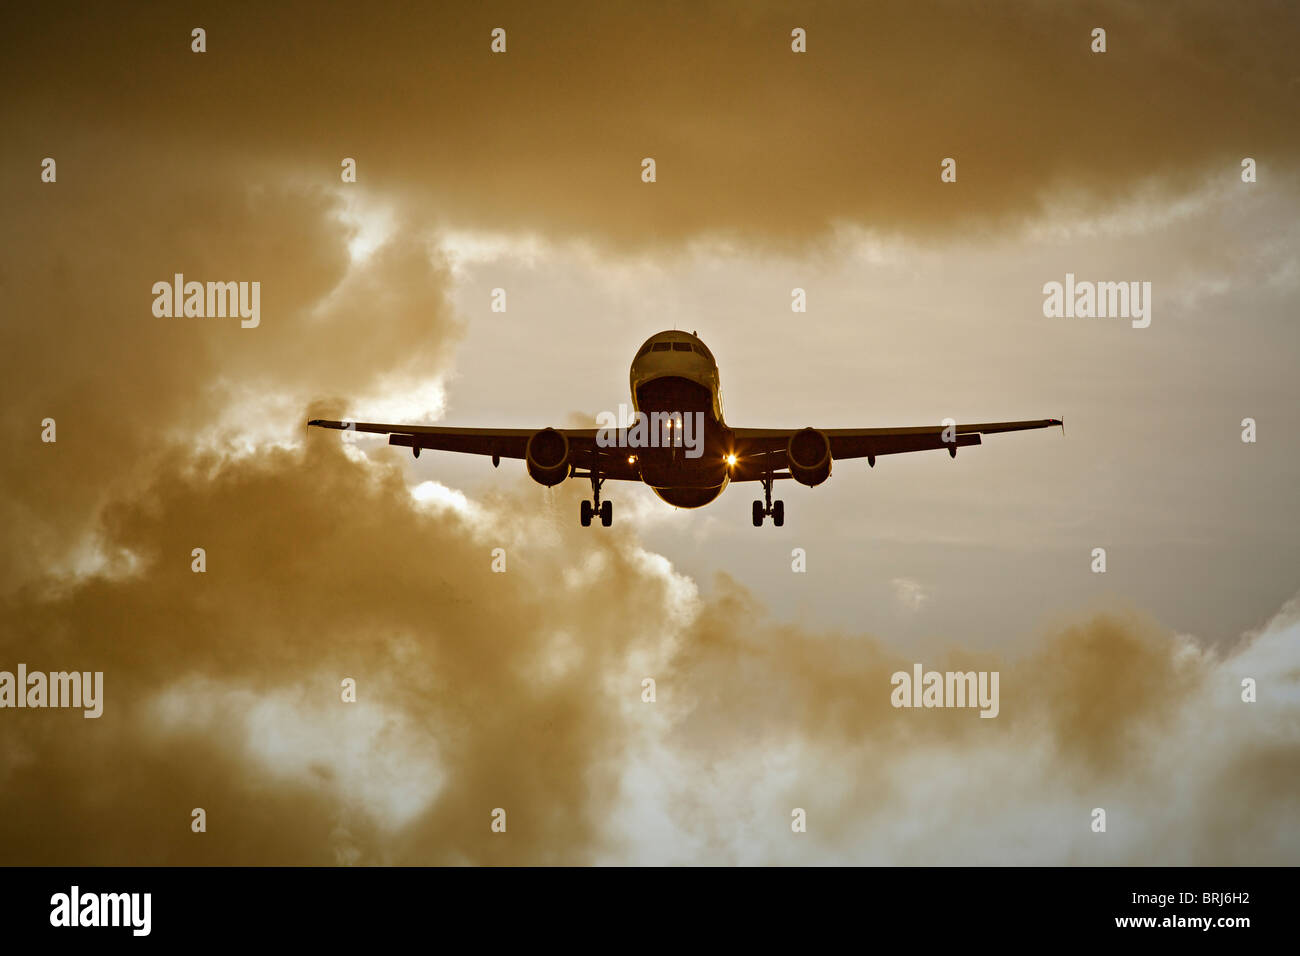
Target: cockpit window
661,346
645,348
681,346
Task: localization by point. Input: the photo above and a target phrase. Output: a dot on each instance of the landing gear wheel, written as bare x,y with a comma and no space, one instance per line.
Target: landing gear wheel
584,514
758,514
607,513
778,513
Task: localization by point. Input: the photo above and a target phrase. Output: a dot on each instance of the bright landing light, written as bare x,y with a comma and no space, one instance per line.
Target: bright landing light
731,459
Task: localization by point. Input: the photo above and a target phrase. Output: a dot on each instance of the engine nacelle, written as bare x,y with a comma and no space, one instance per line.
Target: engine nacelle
547,457
808,454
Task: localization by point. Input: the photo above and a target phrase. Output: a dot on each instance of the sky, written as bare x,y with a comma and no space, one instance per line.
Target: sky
521,170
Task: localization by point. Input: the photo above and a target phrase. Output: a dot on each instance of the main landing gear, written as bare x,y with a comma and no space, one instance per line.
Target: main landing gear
768,507
595,507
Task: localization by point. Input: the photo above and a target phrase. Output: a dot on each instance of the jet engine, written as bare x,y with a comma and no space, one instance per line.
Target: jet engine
809,456
547,457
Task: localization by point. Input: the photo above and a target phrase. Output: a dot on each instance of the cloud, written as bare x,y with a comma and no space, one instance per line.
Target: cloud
522,690
225,685
1114,711
124,385
909,593
752,141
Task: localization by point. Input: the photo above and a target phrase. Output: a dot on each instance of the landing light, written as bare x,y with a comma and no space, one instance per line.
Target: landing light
631,459
731,459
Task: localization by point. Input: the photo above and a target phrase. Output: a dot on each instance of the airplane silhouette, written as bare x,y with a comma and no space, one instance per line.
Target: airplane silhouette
675,386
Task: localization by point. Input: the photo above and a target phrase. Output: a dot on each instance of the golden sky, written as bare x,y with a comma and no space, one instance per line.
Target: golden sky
522,690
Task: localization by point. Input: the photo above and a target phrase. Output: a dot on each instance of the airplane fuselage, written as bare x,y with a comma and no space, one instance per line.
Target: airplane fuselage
674,373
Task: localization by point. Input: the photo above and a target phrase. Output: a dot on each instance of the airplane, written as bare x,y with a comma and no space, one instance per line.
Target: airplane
674,382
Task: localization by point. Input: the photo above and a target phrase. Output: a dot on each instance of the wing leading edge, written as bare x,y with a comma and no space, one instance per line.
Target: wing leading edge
502,442
767,446
496,442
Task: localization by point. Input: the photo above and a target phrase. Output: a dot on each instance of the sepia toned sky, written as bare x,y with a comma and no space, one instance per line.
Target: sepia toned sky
522,690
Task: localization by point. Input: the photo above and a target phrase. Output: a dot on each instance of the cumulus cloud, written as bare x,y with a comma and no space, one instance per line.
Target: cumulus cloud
522,690
1114,712
475,689
122,384
751,140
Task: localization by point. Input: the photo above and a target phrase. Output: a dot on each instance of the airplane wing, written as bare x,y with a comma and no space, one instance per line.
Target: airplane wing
496,442
764,449
760,451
